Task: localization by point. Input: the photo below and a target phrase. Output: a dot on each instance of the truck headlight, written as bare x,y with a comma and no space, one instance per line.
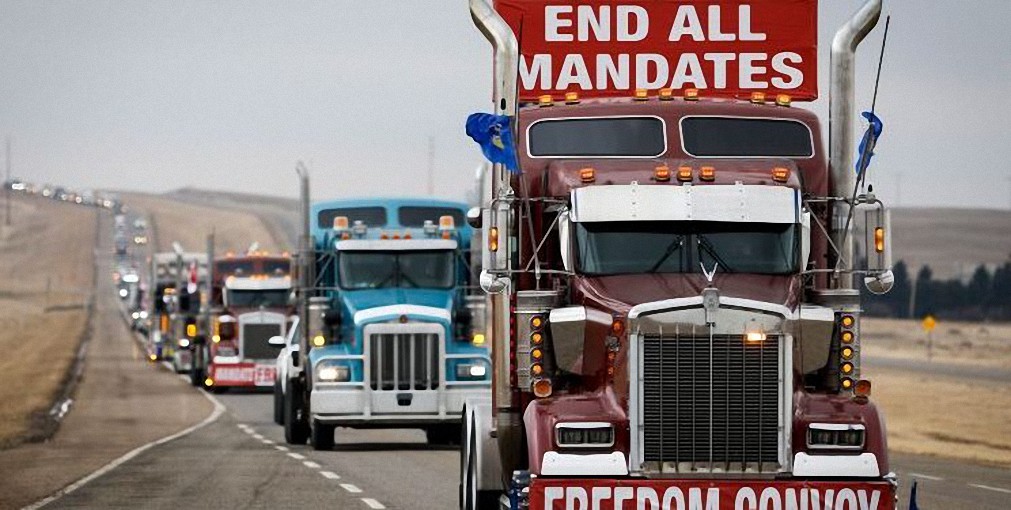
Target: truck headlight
184,343
330,372
835,436
471,371
584,435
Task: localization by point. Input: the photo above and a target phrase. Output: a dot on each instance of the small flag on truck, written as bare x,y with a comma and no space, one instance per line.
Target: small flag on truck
493,134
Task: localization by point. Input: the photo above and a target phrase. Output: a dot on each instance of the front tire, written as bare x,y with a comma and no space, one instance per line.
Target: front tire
296,430
443,435
471,497
278,404
322,436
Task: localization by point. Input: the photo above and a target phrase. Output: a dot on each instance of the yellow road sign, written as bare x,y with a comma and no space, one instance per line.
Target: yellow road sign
929,323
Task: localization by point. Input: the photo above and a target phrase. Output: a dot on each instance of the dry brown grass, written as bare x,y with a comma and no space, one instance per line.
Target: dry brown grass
189,225
945,417
49,245
969,343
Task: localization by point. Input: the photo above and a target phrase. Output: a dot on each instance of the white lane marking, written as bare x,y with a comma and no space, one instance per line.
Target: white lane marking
373,503
351,488
989,488
243,426
257,436
219,409
266,441
310,464
296,456
281,448
330,475
926,477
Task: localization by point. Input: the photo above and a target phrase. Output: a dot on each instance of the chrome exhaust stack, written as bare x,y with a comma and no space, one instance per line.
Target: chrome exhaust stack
841,148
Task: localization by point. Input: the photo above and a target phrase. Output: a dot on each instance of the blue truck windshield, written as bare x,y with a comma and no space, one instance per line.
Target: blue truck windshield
405,269
610,248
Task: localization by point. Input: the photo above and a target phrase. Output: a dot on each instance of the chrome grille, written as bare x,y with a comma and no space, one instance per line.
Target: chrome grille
254,340
404,361
710,404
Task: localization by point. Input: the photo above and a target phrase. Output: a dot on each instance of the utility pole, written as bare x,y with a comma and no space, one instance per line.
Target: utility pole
431,165
7,184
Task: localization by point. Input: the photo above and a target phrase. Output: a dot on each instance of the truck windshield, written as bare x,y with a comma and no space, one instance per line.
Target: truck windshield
610,248
406,269
274,298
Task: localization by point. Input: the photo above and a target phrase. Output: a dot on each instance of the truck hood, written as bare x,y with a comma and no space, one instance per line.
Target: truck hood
398,301
620,293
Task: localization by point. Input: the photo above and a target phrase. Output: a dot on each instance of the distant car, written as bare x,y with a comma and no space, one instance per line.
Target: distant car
285,369
140,240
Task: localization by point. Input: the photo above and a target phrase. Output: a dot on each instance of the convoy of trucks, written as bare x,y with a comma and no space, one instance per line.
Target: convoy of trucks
391,335
673,314
653,305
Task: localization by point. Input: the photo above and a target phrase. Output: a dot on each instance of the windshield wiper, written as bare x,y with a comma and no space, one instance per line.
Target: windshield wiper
707,246
674,246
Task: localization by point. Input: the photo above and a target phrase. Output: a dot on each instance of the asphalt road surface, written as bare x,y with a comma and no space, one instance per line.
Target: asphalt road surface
241,461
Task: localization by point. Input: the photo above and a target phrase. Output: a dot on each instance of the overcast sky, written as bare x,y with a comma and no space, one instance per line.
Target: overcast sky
153,96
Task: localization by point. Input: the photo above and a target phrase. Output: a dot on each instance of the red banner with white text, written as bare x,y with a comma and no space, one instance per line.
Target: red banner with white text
723,48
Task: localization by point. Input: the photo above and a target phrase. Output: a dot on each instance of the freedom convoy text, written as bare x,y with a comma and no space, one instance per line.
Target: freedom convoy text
725,48
728,496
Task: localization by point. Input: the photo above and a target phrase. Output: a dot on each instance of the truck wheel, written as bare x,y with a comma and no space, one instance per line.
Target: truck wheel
278,404
471,497
296,430
322,436
443,435
197,376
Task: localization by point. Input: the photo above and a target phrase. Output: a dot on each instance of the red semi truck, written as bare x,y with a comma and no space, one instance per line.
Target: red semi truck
670,269
250,306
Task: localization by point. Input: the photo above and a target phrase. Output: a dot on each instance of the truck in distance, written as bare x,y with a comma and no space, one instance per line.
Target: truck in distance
250,304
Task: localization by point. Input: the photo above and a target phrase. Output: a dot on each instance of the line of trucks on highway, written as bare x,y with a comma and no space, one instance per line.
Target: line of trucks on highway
652,303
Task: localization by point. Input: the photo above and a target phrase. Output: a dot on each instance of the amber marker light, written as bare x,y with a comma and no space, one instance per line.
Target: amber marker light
641,95
493,239
847,353
537,339
666,94
587,175
571,98
847,337
862,388
847,368
758,97
661,173
780,174
318,341
707,173
208,382
541,388
536,369
848,321
691,94
783,100
545,100
536,322
879,240
847,383
617,327
684,174
537,354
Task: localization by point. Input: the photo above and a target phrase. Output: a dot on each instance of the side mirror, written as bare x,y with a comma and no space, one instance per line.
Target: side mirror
474,218
493,284
276,341
880,283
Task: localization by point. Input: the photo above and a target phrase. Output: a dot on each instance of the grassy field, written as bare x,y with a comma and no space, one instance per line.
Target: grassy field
46,268
956,417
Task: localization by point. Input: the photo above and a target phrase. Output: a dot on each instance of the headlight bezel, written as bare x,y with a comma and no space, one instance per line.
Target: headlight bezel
836,436
576,435
331,372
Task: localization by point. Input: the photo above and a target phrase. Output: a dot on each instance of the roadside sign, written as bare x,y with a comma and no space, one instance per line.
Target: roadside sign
723,48
929,323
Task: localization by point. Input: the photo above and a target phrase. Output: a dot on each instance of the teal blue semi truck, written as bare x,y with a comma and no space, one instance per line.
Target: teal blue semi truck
391,329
